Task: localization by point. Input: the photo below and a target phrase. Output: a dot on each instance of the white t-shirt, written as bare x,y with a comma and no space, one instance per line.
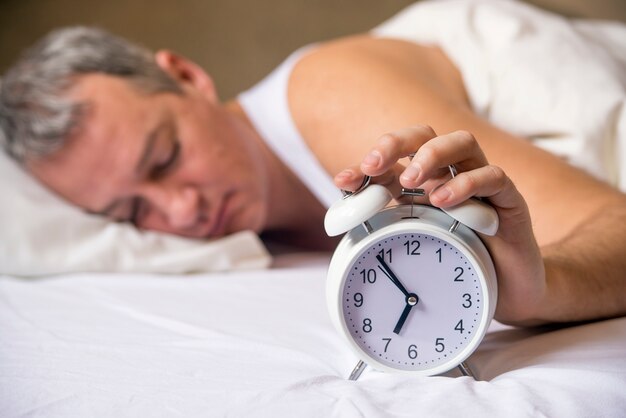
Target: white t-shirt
266,106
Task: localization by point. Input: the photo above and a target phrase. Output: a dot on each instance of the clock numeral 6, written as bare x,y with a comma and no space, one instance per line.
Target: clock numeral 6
367,325
439,346
369,276
412,351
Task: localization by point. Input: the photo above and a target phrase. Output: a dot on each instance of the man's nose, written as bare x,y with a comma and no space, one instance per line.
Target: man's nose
179,205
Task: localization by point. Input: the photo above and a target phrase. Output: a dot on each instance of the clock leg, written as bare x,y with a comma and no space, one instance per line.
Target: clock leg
358,369
466,371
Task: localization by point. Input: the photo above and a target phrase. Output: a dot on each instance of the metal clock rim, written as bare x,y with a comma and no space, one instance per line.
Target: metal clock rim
335,295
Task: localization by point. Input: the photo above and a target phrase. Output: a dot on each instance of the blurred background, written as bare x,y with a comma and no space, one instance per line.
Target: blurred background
236,41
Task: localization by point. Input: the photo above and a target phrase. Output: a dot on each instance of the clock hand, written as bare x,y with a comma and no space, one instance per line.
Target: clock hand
403,317
385,269
411,298
411,301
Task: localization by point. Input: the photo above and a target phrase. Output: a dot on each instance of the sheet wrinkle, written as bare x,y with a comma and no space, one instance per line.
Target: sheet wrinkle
43,409
272,364
207,338
339,392
12,307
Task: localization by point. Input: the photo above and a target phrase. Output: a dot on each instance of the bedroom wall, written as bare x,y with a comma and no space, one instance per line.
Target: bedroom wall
237,41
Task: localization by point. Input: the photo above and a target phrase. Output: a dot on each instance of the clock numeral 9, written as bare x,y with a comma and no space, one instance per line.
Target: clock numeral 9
439,346
412,351
368,276
358,300
412,247
367,325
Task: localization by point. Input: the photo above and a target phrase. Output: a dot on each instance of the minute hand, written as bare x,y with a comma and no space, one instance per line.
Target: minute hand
385,269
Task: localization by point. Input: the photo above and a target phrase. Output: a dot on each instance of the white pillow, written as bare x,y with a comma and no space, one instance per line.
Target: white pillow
40,234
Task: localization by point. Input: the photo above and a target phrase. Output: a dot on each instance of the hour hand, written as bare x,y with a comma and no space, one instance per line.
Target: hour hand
411,301
403,317
385,269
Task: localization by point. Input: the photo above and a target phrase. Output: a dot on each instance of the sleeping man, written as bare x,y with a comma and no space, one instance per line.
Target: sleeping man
144,138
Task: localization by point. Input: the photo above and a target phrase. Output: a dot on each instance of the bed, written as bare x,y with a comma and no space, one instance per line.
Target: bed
259,343
100,320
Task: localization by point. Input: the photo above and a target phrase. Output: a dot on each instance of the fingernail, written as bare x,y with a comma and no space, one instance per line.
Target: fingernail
442,194
372,159
344,175
410,173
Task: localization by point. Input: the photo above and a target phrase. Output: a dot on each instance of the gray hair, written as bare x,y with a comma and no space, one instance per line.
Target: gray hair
35,116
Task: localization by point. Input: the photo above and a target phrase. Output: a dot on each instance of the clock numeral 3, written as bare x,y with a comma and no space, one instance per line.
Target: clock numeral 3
468,300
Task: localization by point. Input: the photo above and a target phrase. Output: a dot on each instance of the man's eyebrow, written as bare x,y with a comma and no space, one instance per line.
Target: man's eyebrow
148,148
149,142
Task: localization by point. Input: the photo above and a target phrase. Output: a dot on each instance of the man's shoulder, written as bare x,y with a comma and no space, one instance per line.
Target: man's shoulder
353,89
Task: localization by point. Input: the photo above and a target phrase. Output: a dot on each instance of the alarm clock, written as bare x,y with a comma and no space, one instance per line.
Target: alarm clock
412,288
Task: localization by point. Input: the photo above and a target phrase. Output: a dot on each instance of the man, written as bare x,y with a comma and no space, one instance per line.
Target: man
146,139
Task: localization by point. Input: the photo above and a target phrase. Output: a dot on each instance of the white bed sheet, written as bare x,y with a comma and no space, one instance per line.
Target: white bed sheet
260,344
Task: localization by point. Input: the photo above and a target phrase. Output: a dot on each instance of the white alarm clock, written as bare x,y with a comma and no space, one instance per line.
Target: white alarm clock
411,288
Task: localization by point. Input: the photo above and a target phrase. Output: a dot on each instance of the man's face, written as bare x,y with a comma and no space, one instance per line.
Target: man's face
174,163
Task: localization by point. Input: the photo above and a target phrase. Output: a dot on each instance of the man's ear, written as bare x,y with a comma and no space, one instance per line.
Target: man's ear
186,72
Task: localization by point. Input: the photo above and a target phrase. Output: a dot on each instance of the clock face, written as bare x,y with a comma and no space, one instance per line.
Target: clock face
413,301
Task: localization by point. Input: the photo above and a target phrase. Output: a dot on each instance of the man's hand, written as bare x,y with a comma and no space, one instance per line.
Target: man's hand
516,255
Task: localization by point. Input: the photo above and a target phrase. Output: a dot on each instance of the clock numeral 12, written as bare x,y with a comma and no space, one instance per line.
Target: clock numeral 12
412,247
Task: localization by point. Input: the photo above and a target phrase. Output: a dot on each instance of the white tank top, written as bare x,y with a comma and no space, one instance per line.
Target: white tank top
266,106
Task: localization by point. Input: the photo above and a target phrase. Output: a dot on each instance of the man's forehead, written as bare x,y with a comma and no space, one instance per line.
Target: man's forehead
84,172
88,169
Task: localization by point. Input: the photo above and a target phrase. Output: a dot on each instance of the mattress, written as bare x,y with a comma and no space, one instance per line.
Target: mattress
260,343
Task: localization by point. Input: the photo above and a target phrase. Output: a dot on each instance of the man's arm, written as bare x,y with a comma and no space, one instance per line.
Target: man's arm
586,271
347,94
